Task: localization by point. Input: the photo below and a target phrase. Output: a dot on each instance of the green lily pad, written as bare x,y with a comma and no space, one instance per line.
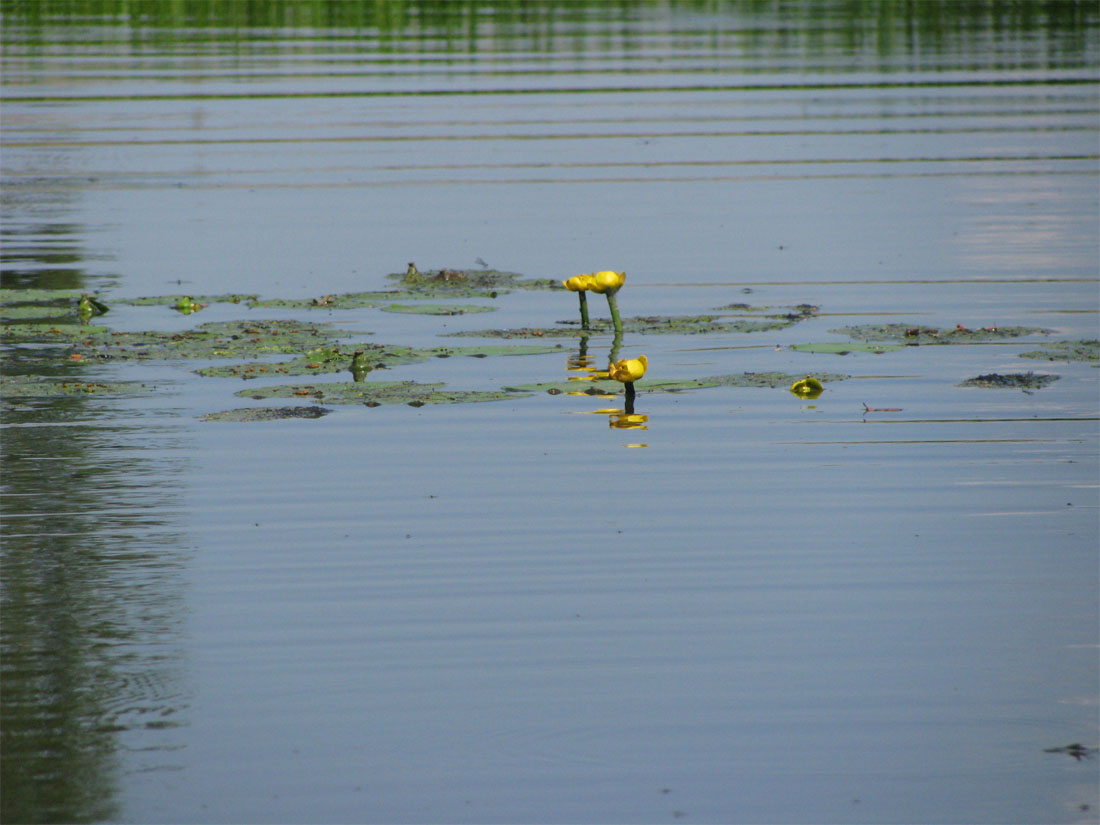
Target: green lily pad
17,296
644,325
36,386
437,309
52,331
466,282
17,312
915,334
1011,381
173,300
334,359
797,312
219,339
347,300
375,393
607,387
837,348
1066,351
249,414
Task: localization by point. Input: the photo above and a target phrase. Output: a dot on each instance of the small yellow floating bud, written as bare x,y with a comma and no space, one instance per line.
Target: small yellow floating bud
578,283
807,387
628,370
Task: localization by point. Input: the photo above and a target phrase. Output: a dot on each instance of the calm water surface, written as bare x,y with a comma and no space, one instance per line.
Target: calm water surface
757,609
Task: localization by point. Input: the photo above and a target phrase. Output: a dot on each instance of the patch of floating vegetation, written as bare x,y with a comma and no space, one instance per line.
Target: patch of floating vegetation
16,312
334,359
838,348
607,387
377,393
797,312
37,386
933,335
249,414
219,339
1011,381
469,283
437,309
17,296
1066,351
642,325
347,300
174,300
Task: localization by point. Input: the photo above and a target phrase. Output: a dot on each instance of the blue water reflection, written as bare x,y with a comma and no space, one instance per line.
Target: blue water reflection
776,612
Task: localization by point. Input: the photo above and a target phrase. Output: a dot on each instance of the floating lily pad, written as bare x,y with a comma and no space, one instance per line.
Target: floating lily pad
838,348
1011,381
40,310
915,334
334,359
220,339
375,393
1066,351
645,325
607,387
347,300
437,309
797,312
173,300
52,331
248,414
467,282
16,296
36,386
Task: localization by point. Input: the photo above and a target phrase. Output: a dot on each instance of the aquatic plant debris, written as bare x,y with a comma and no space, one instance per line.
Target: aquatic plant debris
437,309
643,325
915,334
1013,381
250,414
376,393
174,300
37,386
608,387
846,348
1066,351
334,359
466,282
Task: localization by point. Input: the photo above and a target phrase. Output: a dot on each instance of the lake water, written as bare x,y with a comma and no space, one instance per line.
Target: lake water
759,608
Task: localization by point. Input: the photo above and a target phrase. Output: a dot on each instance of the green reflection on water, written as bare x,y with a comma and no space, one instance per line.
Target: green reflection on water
920,30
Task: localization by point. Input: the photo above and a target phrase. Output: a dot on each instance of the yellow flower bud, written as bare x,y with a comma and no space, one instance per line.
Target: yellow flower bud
607,281
628,370
578,283
807,388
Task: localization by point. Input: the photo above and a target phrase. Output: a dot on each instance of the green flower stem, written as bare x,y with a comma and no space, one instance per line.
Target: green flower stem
614,307
629,393
583,296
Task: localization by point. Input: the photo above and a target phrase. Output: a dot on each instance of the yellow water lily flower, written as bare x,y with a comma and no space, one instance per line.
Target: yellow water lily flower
807,387
607,281
578,283
628,370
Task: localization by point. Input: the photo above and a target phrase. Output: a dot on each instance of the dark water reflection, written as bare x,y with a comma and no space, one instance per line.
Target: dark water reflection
777,612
